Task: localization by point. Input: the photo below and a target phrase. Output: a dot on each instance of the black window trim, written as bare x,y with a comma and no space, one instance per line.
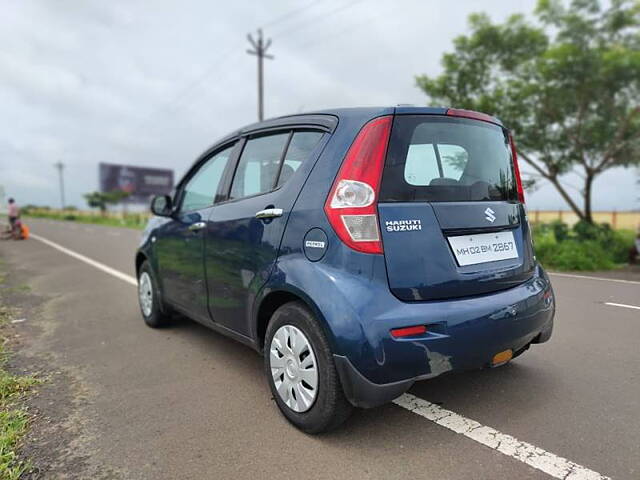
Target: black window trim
291,129
285,150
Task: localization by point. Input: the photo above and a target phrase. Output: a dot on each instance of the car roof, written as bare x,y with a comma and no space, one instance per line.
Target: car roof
370,112
347,112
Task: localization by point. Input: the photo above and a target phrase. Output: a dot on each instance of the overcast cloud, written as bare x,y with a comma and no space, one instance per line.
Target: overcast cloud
155,83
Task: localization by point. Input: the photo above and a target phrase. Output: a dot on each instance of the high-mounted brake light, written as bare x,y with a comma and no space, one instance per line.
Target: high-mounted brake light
351,204
516,169
460,112
408,331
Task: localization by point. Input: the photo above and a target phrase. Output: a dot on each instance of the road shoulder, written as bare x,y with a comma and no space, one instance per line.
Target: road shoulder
55,444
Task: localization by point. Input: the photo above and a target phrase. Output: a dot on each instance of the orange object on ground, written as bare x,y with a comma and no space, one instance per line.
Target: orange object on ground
24,231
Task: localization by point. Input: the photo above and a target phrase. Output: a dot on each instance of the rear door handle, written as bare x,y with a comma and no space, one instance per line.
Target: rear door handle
196,227
269,213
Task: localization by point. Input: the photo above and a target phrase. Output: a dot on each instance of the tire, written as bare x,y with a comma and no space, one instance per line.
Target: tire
329,408
152,310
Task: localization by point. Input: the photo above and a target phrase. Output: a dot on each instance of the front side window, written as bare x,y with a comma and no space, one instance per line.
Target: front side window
258,167
200,190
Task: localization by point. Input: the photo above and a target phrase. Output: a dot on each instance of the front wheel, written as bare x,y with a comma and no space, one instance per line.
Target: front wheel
149,298
300,371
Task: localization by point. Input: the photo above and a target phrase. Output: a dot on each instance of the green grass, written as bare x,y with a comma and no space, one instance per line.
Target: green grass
132,220
13,424
14,420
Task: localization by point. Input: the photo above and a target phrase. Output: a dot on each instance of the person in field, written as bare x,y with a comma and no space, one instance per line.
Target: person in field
13,213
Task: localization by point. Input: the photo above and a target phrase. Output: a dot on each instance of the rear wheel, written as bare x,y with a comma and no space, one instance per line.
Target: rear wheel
149,298
301,373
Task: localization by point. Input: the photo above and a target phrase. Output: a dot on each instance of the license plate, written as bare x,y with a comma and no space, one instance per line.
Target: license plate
484,247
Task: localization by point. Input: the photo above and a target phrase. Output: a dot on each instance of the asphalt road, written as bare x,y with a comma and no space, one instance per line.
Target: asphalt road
186,402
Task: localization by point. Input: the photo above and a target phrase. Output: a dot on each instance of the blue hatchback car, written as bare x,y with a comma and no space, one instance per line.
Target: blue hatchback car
358,250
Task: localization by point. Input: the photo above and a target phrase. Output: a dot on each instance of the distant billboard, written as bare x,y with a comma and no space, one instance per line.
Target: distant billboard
139,182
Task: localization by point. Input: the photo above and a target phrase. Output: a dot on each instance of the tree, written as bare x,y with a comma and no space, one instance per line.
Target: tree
102,199
567,86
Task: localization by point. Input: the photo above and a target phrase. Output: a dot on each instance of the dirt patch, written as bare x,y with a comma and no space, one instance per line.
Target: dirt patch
57,443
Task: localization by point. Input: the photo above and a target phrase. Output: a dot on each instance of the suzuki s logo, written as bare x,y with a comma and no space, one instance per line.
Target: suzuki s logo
490,215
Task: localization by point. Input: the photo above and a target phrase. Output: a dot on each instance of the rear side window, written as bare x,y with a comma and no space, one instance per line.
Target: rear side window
300,148
258,167
262,166
446,159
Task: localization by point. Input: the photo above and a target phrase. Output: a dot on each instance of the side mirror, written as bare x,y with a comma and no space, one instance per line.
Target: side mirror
161,205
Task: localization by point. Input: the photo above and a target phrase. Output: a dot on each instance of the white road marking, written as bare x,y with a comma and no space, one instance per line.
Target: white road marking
531,455
87,260
623,305
602,279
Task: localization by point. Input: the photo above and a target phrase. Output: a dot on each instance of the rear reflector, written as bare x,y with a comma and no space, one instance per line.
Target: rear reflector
502,357
408,331
351,204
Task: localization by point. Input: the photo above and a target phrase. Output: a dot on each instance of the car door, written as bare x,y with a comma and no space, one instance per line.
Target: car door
244,232
180,241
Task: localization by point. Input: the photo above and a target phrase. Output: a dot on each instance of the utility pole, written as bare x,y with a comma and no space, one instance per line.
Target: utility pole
60,167
260,50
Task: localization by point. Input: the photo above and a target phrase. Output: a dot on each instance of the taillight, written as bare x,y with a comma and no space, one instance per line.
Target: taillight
516,169
351,204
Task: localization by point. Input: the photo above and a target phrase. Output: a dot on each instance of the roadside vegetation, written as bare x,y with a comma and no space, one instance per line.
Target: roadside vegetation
584,246
14,419
129,220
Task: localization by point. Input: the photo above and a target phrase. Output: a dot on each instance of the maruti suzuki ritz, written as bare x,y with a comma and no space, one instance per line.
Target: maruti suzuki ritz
358,250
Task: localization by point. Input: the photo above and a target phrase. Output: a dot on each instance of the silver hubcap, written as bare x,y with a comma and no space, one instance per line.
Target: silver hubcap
145,293
294,368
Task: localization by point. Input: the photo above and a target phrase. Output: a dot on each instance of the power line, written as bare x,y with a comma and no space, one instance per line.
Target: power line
338,33
290,14
186,90
214,65
322,15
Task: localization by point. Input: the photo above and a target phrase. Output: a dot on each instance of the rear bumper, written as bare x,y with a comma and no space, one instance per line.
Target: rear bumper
461,334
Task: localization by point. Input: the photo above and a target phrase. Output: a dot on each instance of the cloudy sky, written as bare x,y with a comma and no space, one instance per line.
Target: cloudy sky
154,83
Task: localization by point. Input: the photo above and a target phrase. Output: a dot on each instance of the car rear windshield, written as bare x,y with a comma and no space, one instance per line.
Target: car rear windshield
447,159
